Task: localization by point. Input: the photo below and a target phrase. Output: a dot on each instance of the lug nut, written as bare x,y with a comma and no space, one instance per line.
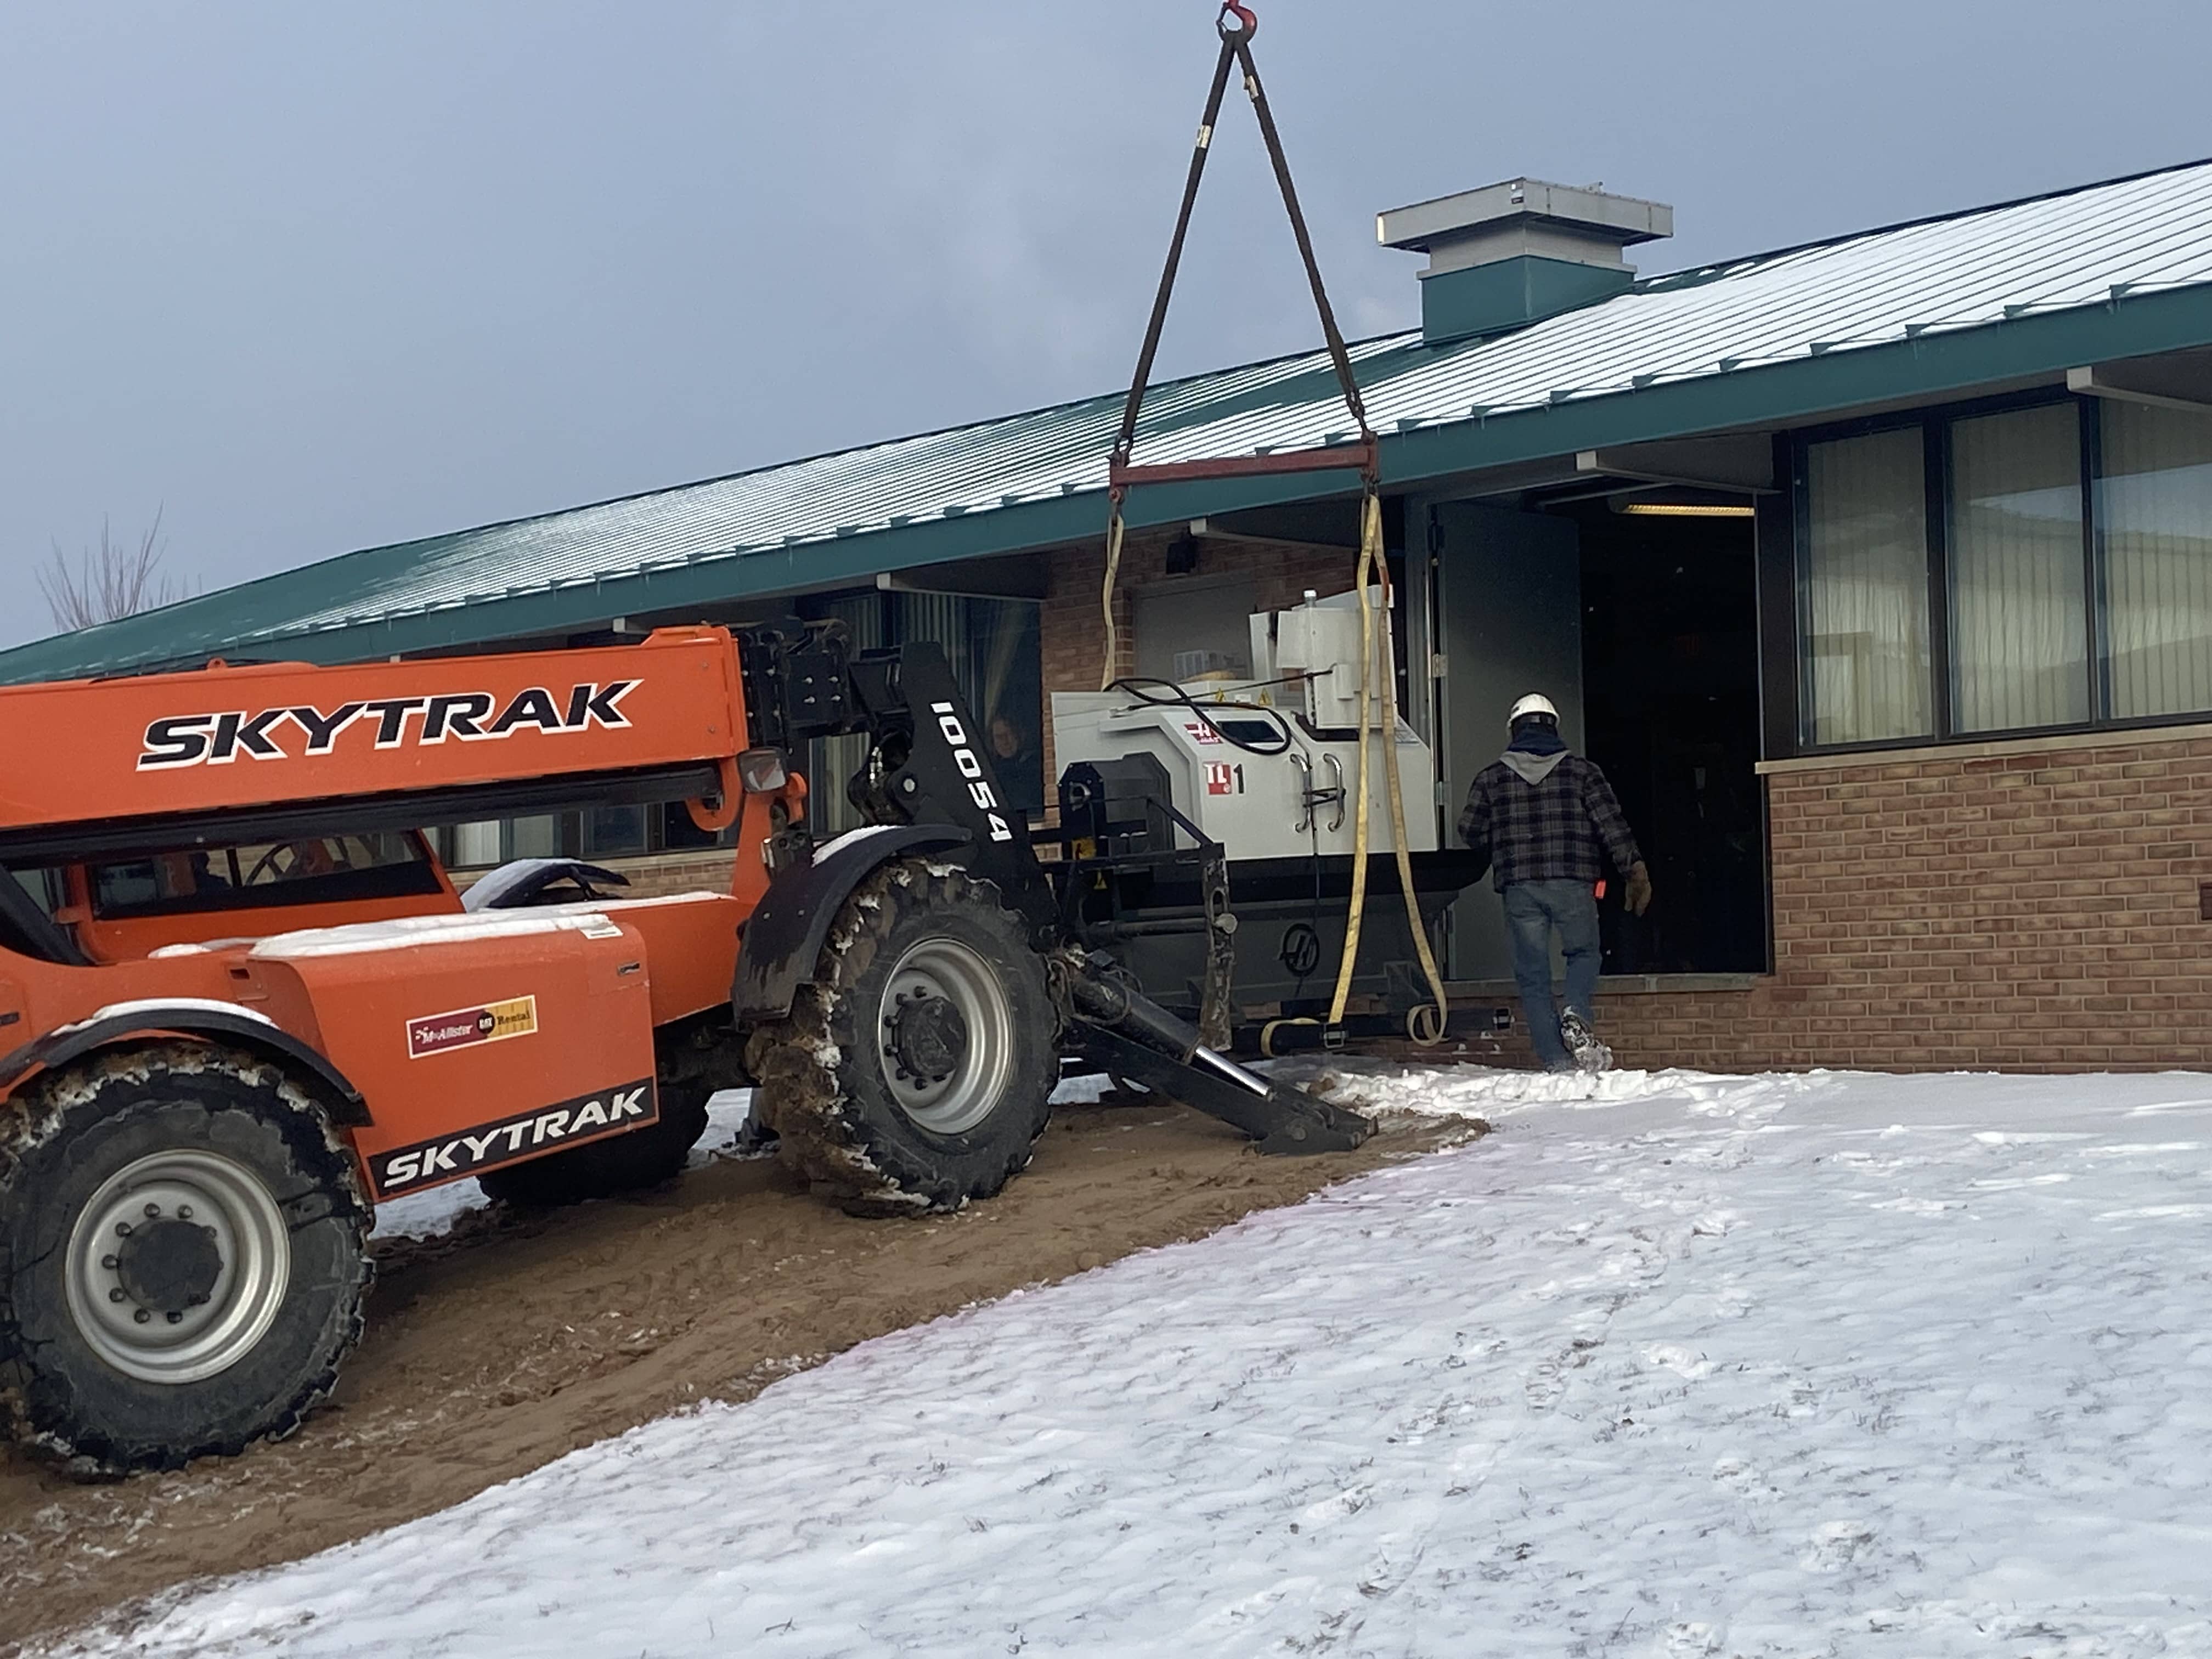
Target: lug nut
141,1315
184,1211
176,1319
123,1229
111,1262
152,1210
116,1295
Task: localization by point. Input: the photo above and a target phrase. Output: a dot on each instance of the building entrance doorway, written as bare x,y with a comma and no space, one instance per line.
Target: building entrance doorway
1670,710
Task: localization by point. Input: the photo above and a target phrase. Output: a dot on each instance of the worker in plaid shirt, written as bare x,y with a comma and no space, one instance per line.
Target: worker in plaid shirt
1549,821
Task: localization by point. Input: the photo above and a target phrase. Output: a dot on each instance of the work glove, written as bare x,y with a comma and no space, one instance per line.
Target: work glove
1638,897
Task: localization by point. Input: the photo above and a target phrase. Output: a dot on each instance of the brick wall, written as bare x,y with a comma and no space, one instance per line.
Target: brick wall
2009,907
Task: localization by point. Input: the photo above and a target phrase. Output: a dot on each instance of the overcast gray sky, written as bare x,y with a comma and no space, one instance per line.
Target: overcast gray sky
314,277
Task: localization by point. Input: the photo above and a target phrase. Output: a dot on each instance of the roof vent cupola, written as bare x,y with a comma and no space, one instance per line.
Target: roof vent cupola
1510,253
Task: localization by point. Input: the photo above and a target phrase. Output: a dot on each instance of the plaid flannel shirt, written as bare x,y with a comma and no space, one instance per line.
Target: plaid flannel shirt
1561,829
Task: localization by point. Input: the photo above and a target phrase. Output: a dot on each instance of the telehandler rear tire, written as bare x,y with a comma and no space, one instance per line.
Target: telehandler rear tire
916,1071
620,1163
182,1257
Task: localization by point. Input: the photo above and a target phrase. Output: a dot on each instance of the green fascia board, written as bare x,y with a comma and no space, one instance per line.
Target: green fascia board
1794,392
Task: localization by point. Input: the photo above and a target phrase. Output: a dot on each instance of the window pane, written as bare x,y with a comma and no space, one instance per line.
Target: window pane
1003,679
535,837
678,834
2020,625
311,870
45,887
476,845
613,831
2154,505
1866,648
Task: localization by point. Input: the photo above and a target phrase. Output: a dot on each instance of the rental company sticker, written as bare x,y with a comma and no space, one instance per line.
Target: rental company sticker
462,1028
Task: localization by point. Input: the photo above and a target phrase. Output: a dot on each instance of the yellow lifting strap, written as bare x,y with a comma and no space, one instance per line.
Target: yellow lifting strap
1426,1025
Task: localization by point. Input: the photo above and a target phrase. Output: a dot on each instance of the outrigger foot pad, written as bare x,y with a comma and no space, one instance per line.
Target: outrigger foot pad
1281,1121
1313,1126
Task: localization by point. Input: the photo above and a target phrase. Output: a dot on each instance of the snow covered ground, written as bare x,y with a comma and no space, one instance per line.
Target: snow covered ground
1670,1365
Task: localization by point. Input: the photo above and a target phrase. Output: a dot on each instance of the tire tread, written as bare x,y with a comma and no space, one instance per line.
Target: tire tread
45,1414
801,1063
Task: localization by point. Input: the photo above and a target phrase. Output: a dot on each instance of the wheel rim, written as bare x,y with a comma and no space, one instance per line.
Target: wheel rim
976,1040
198,1288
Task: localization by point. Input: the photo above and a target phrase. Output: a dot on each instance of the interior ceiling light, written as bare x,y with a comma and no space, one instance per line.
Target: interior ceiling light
1685,510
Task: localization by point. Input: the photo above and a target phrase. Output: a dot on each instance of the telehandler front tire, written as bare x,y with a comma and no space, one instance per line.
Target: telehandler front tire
182,1255
916,1070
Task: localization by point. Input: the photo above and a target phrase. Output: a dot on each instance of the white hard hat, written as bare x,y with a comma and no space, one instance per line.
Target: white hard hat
1534,704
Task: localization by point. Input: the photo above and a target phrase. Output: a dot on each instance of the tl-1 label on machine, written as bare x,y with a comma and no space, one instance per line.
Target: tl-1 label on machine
632,1106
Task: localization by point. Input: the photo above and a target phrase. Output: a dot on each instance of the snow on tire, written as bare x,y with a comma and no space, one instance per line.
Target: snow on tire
914,1073
182,1255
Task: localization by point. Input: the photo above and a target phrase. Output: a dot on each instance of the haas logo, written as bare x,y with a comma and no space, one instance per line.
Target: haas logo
971,768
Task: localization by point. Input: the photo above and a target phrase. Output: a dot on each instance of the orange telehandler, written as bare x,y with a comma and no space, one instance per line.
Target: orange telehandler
240,1001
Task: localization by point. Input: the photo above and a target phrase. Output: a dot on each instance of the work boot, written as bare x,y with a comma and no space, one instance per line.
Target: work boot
1589,1055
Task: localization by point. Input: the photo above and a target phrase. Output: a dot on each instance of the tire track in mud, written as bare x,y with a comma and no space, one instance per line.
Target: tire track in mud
515,1339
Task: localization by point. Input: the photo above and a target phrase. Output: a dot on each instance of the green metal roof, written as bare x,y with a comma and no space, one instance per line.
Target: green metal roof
2113,269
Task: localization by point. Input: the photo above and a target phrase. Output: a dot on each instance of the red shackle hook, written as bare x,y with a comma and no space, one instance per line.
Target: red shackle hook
1248,24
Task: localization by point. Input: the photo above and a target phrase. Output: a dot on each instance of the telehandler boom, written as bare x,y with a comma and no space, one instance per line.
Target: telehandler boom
241,1002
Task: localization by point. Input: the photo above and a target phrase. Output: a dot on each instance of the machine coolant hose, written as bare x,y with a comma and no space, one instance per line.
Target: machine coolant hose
1424,1025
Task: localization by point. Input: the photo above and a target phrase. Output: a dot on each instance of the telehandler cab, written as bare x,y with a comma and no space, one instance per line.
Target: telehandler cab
241,1002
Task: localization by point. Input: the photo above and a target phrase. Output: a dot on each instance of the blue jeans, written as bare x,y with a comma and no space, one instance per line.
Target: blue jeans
1533,910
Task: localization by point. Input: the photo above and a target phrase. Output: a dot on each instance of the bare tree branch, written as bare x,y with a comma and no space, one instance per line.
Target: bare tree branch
109,583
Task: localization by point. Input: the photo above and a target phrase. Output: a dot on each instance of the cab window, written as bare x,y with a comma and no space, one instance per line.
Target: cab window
43,885
304,870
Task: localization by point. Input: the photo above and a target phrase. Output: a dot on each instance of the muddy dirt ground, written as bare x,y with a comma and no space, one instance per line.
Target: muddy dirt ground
518,1338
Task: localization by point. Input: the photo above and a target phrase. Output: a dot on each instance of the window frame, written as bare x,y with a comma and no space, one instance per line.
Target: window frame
1934,424
568,838
1801,513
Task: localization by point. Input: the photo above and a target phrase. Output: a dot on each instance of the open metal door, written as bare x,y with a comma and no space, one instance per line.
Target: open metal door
1508,622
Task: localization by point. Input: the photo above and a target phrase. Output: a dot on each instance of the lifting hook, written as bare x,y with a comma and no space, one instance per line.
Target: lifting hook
1248,24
